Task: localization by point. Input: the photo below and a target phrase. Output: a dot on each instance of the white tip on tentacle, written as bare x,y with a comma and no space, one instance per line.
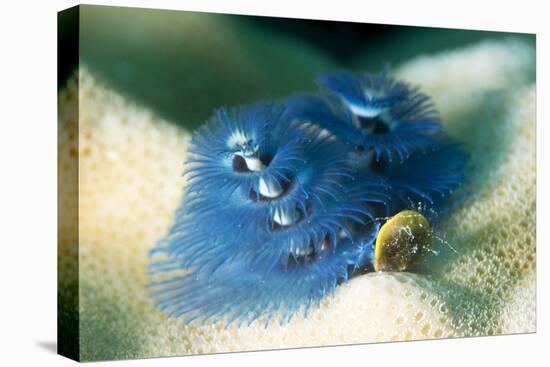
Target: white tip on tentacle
270,188
365,111
252,162
285,217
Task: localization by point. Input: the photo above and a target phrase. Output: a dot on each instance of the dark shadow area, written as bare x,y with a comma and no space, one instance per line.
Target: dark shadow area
343,41
368,45
67,188
68,31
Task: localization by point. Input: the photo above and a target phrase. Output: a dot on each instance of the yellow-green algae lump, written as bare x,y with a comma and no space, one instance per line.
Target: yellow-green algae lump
401,241
487,287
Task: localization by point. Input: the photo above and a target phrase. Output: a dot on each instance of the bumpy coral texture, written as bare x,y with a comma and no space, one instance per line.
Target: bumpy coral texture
486,287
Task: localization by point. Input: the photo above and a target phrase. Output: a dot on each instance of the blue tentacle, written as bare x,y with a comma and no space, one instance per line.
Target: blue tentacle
284,200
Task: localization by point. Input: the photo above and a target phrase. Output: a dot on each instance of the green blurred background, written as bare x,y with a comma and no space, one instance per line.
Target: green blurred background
184,64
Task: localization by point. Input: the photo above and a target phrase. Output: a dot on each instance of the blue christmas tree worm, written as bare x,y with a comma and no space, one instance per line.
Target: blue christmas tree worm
284,200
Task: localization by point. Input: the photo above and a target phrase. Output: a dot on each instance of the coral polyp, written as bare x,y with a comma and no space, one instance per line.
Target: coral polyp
285,199
374,112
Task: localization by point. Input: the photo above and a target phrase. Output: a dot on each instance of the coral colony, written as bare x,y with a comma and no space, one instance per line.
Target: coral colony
286,200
